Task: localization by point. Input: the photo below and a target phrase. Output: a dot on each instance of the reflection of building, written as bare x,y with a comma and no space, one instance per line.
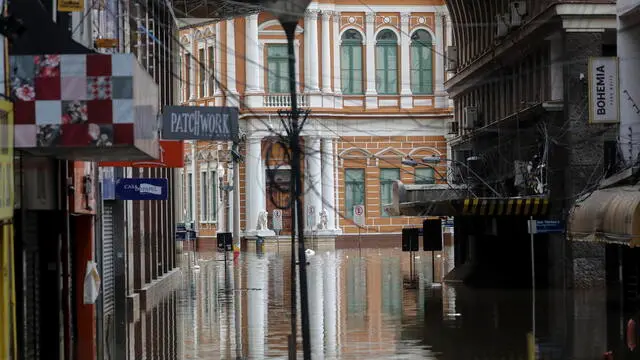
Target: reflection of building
373,79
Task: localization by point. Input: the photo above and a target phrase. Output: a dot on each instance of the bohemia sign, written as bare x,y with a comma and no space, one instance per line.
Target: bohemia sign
604,92
200,123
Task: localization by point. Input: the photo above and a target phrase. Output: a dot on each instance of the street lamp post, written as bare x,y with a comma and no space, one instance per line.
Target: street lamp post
289,13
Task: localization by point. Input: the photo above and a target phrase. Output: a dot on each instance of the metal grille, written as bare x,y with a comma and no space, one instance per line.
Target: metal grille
108,273
31,268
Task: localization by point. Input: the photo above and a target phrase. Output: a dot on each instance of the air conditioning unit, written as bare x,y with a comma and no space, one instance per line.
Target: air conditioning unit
452,128
502,22
470,117
518,11
452,58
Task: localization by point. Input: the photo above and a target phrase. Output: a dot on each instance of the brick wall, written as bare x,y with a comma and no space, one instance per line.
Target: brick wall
421,146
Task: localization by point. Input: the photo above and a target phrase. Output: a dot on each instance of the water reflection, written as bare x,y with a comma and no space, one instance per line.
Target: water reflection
360,307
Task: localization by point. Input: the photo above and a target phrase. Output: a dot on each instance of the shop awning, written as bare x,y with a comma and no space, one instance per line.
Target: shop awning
607,215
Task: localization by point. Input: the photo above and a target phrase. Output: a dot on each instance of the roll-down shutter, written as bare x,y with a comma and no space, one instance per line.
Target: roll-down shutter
31,269
107,259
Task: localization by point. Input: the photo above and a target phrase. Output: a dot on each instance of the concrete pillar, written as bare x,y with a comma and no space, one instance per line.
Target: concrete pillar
313,183
328,183
253,184
556,71
371,99
629,55
337,84
326,52
192,77
406,100
251,64
218,62
312,16
232,99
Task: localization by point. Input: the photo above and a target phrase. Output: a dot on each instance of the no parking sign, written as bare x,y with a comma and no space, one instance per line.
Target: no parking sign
277,219
358,215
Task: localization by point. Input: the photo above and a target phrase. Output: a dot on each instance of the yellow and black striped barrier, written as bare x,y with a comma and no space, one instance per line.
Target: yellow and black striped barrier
505,207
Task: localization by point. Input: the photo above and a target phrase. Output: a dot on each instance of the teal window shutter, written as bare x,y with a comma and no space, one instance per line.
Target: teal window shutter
387,63
354,190
421,63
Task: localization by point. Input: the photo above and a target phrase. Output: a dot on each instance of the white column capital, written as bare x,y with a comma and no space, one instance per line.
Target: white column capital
326,14
311,14
252,17
370,18
404,18
336,16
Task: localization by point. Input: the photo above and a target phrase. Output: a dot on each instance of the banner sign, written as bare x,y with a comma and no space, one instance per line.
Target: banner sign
200,123
171,156
604,92
142,189
71,5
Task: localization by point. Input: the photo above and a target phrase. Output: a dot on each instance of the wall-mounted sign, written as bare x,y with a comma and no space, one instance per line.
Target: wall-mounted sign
277,219
70,5
105,43
6,160
142,189
604,92
171,156
200,123
358,215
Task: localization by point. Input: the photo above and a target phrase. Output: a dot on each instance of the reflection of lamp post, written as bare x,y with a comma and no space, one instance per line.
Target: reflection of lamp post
427,160
289,13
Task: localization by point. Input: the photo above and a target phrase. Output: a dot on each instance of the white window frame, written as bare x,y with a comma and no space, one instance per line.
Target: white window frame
191,198
211,200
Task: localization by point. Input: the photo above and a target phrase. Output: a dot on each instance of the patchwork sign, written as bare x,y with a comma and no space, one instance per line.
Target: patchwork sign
84,101
200,123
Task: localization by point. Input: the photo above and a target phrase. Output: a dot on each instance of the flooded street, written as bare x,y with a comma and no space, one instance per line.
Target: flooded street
363,304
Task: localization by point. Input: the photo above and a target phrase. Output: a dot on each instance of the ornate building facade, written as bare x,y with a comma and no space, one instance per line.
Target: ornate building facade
372,77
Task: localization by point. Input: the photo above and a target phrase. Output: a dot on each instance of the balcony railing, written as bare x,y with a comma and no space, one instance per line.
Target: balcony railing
284,101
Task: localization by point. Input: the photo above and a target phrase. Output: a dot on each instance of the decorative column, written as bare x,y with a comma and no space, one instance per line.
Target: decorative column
406,100
441,99
326,58
313,183
371,97
218,65
232,96
315,97
337,84
328,184
307,50
253,184
192,76
252,45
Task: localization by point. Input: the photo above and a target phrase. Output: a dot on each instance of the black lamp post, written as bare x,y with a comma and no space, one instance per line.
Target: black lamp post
289,13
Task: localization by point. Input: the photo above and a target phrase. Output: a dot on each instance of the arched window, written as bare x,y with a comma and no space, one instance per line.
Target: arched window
387,62
351,62
421,63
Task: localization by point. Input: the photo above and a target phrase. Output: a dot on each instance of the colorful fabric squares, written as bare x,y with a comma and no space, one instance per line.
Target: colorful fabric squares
98,65
73,65
24,112
74,112
123,111
47,65
48,135
101,135
122,87
47,88
24,136
100,111
23,67
73,88
123,134
99,87
75,135
122,64
48,112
